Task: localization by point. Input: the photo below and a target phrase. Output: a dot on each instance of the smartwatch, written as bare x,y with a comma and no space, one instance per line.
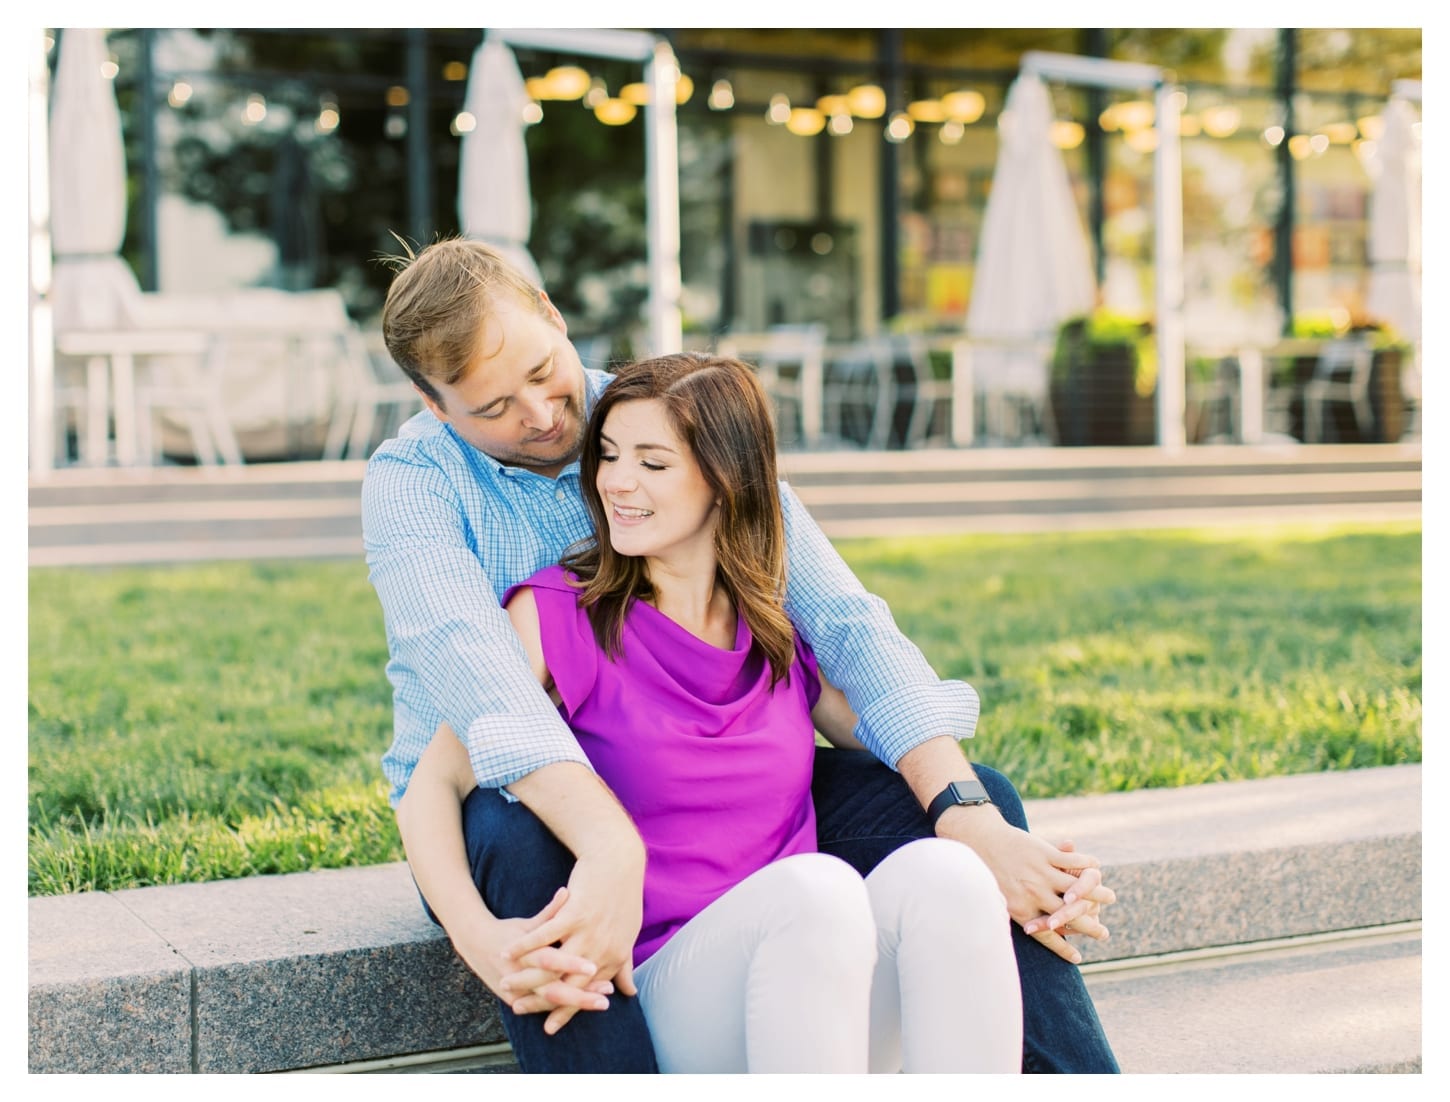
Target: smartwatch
967,793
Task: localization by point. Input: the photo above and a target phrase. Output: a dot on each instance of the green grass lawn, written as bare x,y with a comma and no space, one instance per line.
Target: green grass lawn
197,723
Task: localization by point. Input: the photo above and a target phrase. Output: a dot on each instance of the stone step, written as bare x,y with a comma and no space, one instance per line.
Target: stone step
1346,1005
343,478
340,967
109,517
279,517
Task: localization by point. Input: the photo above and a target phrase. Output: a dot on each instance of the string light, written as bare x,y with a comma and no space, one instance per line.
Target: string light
615,112
1066,134
805,121
1142,141
328,117
900,127
867,101
722,96
1221,121
926,110
964,106
1372,127
566,82
1340,133
779,109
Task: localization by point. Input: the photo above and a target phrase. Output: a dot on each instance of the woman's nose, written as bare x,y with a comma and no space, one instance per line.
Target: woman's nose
617,481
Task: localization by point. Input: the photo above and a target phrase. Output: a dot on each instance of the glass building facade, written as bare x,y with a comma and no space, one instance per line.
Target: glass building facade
833,176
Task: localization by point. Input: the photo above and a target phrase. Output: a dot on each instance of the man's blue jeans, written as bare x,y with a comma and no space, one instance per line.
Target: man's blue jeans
864,811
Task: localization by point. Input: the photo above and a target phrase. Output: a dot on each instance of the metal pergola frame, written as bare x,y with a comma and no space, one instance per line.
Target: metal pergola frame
661,156
1167,216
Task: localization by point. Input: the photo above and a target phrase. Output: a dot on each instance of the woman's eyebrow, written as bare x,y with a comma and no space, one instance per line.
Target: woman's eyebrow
643,447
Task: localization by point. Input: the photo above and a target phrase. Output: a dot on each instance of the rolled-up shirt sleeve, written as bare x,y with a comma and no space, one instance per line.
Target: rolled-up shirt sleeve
898,699
454,655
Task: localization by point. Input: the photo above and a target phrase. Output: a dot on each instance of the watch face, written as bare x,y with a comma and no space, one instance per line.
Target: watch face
970,792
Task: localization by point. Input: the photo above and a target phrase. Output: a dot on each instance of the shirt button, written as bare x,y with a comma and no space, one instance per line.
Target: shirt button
559,495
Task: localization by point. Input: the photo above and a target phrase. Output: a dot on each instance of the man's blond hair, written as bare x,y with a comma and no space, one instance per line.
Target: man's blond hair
438,303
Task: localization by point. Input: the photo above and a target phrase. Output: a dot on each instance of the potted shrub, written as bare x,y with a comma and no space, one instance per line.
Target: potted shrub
1104,376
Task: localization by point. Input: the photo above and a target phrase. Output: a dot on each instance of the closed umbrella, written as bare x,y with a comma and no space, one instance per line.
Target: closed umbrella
493,174
1034,269
87,188
1394,224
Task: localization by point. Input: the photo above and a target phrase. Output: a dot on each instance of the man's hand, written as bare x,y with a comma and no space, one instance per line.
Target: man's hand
535,976
1034,875
599,922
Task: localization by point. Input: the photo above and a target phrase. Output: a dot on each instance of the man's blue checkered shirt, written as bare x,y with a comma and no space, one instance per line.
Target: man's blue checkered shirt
448,530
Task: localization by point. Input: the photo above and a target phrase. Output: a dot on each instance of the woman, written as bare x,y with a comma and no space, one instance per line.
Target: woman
666,646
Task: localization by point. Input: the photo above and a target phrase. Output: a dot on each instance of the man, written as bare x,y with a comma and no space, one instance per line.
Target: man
481,490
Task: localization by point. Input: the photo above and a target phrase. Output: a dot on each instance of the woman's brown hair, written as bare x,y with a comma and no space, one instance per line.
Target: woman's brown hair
717,407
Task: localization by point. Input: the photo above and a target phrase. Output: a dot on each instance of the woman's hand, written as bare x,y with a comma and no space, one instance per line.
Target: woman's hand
1034,874
599,921
1081,905
534,981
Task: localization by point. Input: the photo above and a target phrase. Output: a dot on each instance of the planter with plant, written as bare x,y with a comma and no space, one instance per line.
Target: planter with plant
1386,399
1104,377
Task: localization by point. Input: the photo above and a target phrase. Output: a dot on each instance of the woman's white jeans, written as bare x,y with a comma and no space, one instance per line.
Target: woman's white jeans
806,967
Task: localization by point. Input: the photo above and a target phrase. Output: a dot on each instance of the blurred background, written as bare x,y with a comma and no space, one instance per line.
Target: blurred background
832,181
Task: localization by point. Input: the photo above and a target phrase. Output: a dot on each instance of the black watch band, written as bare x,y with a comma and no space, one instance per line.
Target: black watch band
968,793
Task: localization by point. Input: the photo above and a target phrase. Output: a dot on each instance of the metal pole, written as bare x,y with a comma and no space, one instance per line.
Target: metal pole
1284,224
42,343
890,190
150,198
421,223
662,207
1096,152
1168,282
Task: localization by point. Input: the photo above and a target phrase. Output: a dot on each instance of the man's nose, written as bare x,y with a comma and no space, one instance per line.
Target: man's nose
538,410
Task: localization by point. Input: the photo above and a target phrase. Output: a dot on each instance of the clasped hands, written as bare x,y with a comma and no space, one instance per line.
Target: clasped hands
1052,891
570,956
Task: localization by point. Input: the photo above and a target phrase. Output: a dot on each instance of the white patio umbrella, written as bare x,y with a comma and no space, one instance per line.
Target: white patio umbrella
493,172
87,188
1033,269
1394,224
